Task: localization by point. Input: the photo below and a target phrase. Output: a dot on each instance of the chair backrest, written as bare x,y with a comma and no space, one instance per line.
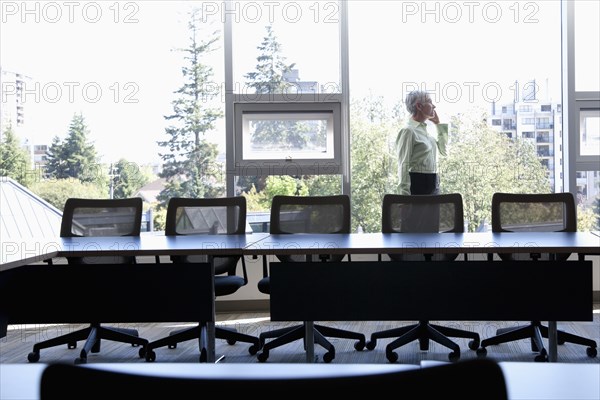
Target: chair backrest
534,212
310,214
214,216
101,217
422,213
469,379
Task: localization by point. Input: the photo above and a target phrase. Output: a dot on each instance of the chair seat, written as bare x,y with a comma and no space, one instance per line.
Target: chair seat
225,285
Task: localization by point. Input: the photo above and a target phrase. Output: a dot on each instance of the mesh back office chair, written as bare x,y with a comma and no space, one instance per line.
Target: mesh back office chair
216,216
307,214
423,213
97,217
470,379
549,212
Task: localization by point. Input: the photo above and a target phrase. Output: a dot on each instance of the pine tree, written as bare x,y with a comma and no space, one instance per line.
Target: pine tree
190,161
15,162
75,157
269,77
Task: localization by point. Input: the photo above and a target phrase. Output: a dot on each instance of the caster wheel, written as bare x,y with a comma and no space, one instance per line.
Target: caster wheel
262,357
392,356
173,346
33,357
454,356
474,344
371,344
560,341
253,349
481,352
231,342
591,351
542,357
142,352
360,345
72,345
80,360
328,357
150,356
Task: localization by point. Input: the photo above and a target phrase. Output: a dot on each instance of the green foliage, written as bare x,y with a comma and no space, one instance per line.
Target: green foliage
190,160
159,218
15,162
57,191
256,201
129,178
75,157
587,219
275,185
374,161
481,161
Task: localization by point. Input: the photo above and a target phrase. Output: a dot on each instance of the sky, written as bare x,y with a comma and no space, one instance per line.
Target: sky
115,63
120,72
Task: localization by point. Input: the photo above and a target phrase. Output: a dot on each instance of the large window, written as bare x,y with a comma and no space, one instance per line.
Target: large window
316,89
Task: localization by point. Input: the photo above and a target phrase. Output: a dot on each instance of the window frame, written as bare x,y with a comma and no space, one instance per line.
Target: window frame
286,165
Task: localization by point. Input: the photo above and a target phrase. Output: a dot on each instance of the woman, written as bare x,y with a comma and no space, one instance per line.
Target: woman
417,150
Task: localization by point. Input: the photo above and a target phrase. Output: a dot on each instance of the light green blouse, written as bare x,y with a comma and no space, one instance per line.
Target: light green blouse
417,150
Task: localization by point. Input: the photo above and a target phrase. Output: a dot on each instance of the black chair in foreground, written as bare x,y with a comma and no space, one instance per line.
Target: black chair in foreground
307,214
215,216
423,213
470,379
96,217
529,212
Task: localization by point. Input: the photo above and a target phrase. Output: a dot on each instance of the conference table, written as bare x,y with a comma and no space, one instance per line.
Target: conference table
524,380
141,283
143,292
469,290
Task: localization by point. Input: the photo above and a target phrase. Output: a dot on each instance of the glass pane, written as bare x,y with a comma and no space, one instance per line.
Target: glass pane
589,133
287,136
588,200
480,88
305,37
587,46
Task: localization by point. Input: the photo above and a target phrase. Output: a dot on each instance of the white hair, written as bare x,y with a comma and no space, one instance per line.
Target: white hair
414,97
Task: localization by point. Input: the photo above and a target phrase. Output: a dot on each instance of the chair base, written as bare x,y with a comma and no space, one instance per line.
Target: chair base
287,335
200,332
423,331
535,331
92,336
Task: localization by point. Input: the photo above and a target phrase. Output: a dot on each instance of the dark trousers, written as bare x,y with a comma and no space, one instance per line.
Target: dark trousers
422,183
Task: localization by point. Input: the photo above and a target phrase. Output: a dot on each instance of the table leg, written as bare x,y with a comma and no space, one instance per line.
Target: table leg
210,333
310,341
552,341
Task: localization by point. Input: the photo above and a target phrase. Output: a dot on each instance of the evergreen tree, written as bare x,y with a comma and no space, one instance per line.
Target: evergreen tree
190,161
127,179
271,67
74,157
15,162
269,77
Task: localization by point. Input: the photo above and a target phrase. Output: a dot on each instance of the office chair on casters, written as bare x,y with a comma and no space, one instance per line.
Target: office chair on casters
528,212
413,214
216,216
307,214
97,217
